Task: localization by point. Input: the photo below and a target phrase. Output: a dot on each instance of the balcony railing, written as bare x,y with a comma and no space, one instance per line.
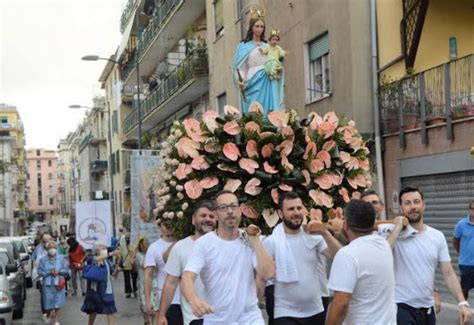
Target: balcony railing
160,16
129,65
126,14
99,166
442,93
194,65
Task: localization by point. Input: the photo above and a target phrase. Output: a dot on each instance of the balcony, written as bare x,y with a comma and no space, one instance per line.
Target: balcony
126,14
165,28
184,84
126,178
99,166
15,126
438,95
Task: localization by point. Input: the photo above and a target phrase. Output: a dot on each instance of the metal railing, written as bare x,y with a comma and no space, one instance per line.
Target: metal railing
126,14
128,66
160,15
194,65
442,93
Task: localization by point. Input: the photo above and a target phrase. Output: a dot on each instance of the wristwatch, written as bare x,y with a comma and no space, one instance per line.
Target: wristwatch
464,303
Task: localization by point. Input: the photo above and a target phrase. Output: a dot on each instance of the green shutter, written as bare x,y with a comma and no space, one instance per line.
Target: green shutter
319,47
117,157
112,161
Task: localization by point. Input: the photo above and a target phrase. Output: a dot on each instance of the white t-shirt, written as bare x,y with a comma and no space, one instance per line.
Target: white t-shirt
364,268
227,272
303,298
154,258
415,259
175,266
322,268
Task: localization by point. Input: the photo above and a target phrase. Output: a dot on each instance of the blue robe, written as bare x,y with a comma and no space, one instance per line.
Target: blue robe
259,88
53,298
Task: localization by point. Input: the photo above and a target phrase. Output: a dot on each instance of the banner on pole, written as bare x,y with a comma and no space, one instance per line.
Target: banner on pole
143,179
93,223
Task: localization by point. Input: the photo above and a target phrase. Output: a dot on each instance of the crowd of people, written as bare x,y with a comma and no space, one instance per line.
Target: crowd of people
347,271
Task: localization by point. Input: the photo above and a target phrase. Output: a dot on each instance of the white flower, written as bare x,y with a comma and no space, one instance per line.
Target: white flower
175,162
168,161
180,196
167,177
179,188
173,183
165,145
178,133
171,138
180,214
176,124
171,214
184,206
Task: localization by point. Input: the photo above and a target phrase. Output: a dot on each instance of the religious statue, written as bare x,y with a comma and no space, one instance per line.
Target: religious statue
249,68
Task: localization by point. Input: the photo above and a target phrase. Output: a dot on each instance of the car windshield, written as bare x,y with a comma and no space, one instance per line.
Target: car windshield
19,246
4,259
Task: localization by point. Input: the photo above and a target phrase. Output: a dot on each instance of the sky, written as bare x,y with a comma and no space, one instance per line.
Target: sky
41,72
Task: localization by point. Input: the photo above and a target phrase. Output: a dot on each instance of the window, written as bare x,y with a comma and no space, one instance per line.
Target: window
115,122
219,18
50,175
112,163
28,176
38,152
50,163
319,68
3,119
221,102
51,201
240,4
117,161
38,164
120,202
40,198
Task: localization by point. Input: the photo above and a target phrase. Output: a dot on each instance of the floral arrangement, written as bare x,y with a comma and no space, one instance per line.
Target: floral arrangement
323,159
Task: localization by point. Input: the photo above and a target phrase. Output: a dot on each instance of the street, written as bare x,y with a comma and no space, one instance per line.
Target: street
129,310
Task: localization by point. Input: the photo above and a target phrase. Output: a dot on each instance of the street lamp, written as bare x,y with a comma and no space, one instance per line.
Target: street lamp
137,65
109,136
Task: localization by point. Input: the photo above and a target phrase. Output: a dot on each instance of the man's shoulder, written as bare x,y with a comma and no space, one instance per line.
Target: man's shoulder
434,233
184,243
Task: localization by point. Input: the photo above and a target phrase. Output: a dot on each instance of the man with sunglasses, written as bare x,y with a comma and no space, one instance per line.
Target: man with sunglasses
226,260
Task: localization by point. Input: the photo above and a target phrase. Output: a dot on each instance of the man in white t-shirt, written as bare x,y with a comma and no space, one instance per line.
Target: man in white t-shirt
417,251
226,260
204,221
298,290
362,275
155,266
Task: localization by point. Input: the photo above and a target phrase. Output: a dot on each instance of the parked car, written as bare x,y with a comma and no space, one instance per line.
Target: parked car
8,243
6,303
16,282
25,259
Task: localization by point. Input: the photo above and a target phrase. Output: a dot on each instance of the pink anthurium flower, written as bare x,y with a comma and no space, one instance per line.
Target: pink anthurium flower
251,149
209,182
310,151
231,151
316,120
193,130
249,165
344,194
316,214
275,195
324,181
183,171
269,169
193,189
285,147
284,187
266,134
200,163
344,156
252,187
232,128
286,164
356,195
331,117
267,150
231,110
187,148
252,127
358,180
248,211
307,177
352,164
328,145
321,198
278,119
316,165
288,133
209,118
327,129
325,157
256,107
232,184
364,164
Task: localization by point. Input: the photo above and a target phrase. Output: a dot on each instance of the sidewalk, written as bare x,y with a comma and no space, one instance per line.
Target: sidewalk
128,309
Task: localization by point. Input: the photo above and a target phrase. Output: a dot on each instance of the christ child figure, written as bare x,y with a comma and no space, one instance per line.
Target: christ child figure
274,54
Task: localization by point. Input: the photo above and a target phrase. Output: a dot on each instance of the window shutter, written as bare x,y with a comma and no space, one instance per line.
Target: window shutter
319,47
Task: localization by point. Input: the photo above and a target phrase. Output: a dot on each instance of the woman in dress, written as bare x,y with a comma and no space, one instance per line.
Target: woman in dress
99,295
139,261
250,74
53,269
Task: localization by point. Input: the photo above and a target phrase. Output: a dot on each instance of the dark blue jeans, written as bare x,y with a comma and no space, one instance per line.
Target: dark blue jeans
408,315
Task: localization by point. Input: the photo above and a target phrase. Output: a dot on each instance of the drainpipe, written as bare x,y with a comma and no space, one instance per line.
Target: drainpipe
375,103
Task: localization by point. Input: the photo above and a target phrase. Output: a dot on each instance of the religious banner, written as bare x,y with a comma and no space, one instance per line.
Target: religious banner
93,223
144,180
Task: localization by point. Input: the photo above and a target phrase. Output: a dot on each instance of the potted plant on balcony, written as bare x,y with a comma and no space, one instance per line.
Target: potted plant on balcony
459,112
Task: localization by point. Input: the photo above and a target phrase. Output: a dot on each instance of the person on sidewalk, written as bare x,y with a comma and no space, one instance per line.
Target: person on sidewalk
298,294
139,260
226,260
155,267
362,275
77,255
204,221
100,295
53,269
373,198
463,242
126,265
417,251
39,252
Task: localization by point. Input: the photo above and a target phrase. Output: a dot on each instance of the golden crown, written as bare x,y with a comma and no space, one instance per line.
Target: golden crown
257,13
274,32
